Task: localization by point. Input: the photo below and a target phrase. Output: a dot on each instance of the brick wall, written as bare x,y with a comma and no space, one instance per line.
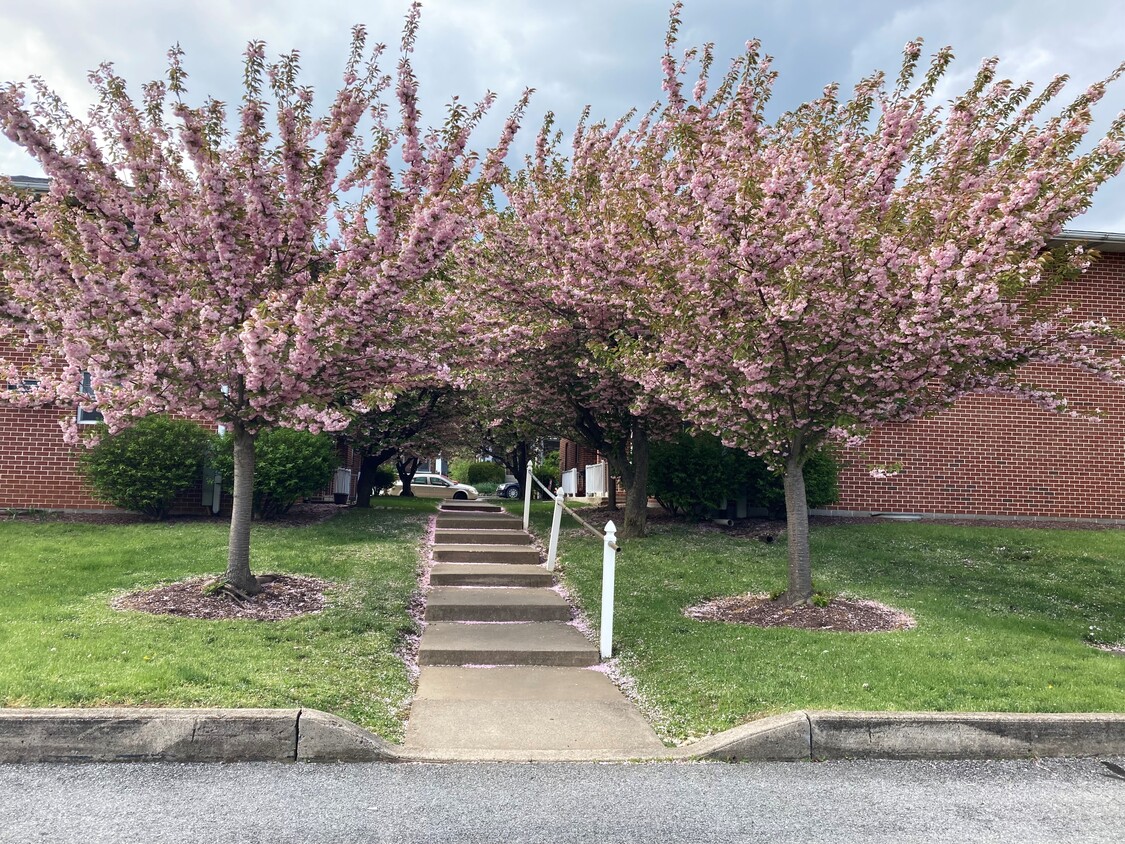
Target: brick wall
37,469
999,456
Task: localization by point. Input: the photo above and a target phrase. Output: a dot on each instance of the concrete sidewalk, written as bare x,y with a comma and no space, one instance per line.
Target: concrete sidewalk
504,675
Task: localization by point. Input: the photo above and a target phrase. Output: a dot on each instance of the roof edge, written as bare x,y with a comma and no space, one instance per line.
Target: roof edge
1102,241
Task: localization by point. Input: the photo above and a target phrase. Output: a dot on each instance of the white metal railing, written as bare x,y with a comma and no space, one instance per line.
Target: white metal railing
609,550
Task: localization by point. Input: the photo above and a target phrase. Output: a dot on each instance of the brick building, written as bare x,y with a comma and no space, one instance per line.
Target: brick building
38,470
986,456
991,456
994,456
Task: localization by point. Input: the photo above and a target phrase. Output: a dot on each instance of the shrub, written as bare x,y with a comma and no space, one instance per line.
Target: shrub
822,475
476,472
695,474
548,470
486,487
144,468
288,466
382,480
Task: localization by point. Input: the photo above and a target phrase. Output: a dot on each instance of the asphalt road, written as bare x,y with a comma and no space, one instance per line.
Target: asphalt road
1069,801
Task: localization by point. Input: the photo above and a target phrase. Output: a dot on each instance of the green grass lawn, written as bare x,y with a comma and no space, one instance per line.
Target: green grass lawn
62,645
1002,615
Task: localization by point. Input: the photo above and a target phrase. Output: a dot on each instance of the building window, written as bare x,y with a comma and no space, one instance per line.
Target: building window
25,386
88,417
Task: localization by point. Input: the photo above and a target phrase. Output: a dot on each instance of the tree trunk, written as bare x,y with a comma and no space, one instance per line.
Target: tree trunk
363,483
238,549
367,468
632,465
515,461
797,531
636,493
406,470
612,491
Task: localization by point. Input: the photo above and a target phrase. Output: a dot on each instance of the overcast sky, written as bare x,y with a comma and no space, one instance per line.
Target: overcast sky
573,52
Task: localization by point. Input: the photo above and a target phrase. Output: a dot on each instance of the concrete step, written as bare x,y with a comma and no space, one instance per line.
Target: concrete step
444,536
478,521
451,506
489,574
531,643
508,554
451,603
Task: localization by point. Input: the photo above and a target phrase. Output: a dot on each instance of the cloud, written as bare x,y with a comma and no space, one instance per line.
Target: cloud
574,53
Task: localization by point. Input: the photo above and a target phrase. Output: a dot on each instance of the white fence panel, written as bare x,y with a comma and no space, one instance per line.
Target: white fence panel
570,482
597,479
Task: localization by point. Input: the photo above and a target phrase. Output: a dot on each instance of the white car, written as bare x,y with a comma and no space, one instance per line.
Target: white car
429,485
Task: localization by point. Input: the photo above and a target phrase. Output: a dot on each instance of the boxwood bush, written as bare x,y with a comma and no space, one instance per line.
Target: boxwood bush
288,466
474,472
383,479
695,474
144,467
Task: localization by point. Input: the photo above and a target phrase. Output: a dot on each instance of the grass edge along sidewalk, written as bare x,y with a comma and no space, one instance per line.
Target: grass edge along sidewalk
62,645
1004,617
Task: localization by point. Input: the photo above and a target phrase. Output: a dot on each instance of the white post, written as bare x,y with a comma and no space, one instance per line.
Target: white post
556,524
527,482
609,567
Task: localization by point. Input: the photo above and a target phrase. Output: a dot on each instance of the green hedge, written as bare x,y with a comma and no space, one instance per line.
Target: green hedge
693,475
144,467
548,470
383,479
474,472
288,466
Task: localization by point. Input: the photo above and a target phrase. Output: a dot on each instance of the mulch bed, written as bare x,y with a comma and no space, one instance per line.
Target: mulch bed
844,615
282,596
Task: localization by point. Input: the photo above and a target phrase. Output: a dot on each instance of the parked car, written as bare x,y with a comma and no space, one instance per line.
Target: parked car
509,490
429,485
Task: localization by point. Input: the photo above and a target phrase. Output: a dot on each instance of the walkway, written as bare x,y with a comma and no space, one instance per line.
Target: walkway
505,676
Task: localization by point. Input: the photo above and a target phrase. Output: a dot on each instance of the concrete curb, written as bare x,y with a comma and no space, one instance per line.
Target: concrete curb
308,735
779,738
184,735
914,735
964,735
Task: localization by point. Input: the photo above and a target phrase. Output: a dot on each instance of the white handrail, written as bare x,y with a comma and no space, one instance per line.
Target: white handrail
609,552
609,573
556,524
527,496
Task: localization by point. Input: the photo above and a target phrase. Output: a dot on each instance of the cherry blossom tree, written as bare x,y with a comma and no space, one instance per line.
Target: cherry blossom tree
549,283
857,261
246,274
429,419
